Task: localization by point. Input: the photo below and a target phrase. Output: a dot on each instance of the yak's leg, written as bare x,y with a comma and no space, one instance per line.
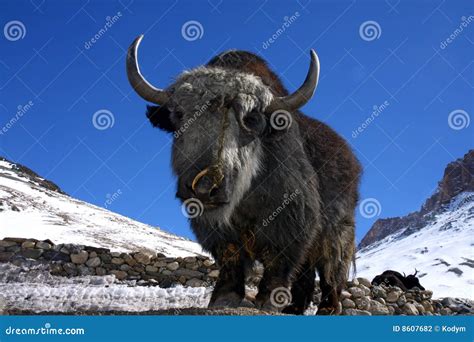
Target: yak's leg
274,289
333,273
302,290
230,286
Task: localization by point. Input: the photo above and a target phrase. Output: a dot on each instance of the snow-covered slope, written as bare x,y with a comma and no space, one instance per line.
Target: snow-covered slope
442,251
32,207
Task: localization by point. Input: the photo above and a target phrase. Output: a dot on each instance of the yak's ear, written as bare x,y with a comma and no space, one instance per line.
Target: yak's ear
160,117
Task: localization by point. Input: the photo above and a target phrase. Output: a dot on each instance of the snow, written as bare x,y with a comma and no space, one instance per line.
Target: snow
445,243
33,288
45,214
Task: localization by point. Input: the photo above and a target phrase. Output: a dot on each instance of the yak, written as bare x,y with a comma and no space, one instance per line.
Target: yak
266,182
394,278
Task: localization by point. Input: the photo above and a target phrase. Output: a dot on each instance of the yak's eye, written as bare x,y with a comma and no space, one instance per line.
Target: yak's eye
254,121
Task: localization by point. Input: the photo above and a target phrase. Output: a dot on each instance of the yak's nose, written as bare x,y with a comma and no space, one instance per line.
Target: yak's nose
206,184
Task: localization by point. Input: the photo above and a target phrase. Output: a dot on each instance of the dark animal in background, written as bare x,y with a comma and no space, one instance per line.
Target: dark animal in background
274,185
394,278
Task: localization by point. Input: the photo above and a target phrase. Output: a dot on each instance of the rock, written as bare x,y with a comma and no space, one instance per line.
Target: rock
150,268
353,282
362,303
100,271
83,270
173,266
31,253
28,244
348,304
52,255
213,274
117,261
115,254
187,273
427,306
143,258
125,267
365,282
15,249
6,256
356,312
356,292
92,255
345,294
381,301
365,289
106,258
192,266
410,309
379,292
391,310
377,308
448,301
80,258
70,268
401,300
120,275
445,312
43,245
6,243
93,262
129,260
194,282
159,264
393,296
188,260
166,272
208,262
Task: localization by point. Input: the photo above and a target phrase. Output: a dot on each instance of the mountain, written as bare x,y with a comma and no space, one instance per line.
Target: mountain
458,177
437,240
33,207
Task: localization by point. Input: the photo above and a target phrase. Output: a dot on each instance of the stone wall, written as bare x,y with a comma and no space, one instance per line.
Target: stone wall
146,268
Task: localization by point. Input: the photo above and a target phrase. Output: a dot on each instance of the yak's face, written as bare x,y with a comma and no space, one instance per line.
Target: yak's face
217,119
411,281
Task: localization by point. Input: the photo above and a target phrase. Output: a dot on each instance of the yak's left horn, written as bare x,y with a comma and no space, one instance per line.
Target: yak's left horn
138,82
300,97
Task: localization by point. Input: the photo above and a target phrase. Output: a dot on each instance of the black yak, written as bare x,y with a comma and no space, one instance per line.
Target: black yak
265,181
394,278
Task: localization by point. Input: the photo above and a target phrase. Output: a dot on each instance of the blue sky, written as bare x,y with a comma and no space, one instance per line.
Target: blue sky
402,60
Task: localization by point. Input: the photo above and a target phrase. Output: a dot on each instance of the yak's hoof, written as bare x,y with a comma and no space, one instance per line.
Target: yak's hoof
327,310
247,303
228,300
293,310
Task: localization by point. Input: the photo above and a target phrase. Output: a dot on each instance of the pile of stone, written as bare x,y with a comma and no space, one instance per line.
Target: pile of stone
363,298
144,267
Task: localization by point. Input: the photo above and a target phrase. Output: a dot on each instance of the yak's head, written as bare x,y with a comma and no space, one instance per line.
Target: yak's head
412,281
219,118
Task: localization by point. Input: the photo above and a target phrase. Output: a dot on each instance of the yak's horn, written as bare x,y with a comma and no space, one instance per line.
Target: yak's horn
300,97
416,272
138,82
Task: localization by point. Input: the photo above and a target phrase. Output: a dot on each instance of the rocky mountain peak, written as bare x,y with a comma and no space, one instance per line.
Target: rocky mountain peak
458,177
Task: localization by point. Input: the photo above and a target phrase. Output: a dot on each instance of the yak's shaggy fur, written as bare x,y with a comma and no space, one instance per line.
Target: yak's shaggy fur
291,193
